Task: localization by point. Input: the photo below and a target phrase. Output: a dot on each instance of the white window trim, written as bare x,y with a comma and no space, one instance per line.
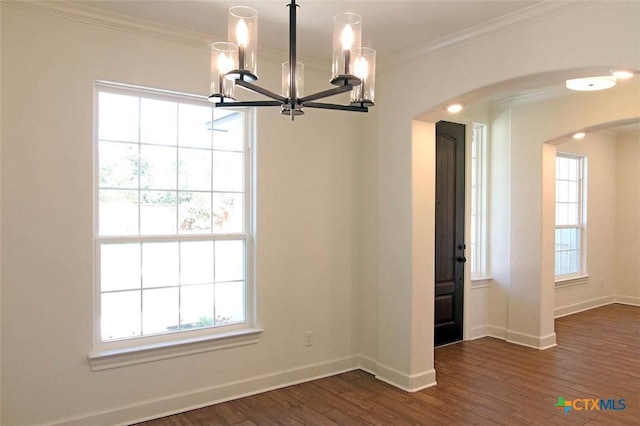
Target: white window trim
144,349
138,354
582,276
481,277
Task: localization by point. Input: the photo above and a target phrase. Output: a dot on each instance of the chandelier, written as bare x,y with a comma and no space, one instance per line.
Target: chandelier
234,63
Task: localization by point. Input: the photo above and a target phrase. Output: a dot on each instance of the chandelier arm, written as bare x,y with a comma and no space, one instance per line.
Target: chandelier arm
247,104
262,91
326,93
322,105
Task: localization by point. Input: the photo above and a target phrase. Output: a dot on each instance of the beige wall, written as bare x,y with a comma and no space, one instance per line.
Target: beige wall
627,214
308,179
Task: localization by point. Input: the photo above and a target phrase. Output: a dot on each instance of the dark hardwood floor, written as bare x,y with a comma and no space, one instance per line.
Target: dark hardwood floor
480,382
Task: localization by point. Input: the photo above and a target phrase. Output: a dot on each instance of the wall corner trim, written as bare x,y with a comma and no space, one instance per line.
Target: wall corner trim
531,341
407,382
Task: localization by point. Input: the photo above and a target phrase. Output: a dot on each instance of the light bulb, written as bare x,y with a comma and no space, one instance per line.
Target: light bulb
347,37
242,33
362,68
224,64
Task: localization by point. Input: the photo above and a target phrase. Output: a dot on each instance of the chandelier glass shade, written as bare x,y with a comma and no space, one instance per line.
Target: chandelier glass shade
234,63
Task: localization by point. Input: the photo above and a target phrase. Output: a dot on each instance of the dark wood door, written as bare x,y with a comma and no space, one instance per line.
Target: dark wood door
449,250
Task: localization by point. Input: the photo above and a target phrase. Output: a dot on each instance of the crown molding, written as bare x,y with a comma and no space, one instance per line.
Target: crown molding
521,18
115,21
532,96
89,15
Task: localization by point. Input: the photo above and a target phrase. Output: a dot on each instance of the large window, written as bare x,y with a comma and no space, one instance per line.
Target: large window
570,216
173,225
478,203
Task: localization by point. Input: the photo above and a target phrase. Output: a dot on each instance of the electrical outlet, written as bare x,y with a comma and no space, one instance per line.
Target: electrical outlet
308,338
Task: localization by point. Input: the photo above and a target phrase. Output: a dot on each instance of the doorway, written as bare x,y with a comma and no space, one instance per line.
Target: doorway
449,232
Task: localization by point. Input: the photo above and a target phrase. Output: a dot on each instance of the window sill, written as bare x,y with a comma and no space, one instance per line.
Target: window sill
480,282
571,281
120,357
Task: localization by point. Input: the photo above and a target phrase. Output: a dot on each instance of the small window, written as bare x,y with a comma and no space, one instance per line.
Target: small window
173,206
570,215
478,202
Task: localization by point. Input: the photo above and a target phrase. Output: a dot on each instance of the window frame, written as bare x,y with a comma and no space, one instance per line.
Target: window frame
581,275
119,352
479,223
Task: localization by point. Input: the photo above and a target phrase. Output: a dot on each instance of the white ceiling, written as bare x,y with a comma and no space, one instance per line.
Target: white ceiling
391,27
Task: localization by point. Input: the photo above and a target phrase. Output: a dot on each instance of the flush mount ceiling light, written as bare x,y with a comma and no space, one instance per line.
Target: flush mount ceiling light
234,63
622,74
579,135
454,108
591,83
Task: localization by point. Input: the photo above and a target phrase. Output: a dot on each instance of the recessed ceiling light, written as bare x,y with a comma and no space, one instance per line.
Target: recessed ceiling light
592,83
579,135
453,108
622,74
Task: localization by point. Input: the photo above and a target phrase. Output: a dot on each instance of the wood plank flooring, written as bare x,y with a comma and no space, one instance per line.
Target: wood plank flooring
481,382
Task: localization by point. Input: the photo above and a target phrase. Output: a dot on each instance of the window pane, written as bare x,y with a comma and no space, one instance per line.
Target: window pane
228,213
194,169
229,303
160,310
165,170
120,266
562,215
228,171
196,262
562,168
196,306
228,132
572,214
229,264
195,212
575,239
158,167
118,165
562,194
159,264
194,126
118,117
118,212
158,122
574,262
120,315
157,213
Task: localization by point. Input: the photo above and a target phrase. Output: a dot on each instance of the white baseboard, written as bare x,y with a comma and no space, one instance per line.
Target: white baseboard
367,364
584,306
478,332
628,300
522,339
151,409
406,382
531,341
497,332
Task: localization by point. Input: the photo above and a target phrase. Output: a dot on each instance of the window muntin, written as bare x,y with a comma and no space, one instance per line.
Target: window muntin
173,239
478,202
569,206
